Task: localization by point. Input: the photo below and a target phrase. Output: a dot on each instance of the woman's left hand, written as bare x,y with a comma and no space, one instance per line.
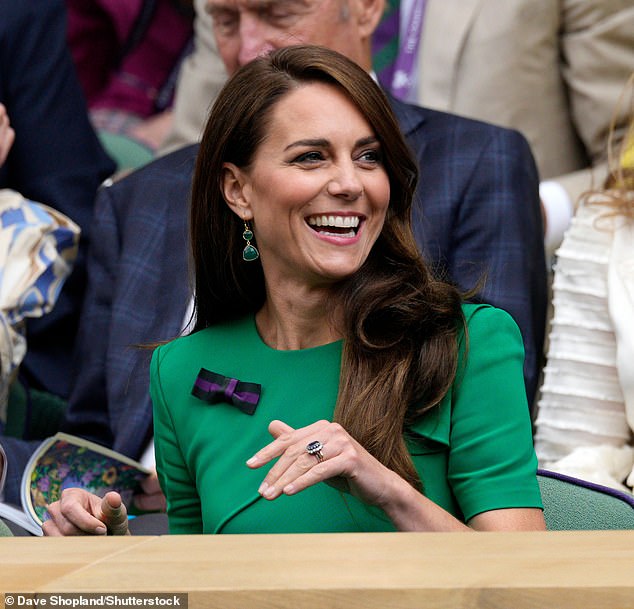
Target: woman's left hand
345,464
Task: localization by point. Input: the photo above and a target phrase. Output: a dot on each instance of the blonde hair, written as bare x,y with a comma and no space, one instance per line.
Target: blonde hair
617,194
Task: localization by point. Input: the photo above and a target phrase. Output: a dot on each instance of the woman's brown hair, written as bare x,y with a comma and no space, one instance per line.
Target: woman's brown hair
399,323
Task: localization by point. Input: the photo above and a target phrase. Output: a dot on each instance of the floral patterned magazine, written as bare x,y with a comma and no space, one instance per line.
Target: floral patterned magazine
65,461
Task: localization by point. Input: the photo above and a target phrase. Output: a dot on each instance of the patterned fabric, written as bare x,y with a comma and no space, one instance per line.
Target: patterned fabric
38,246
216,388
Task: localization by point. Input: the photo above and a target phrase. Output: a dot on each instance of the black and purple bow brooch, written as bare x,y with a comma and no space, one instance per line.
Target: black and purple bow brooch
214,388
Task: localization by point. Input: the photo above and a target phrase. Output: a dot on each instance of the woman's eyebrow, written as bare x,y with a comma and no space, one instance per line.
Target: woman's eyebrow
364,141
317,142
324,143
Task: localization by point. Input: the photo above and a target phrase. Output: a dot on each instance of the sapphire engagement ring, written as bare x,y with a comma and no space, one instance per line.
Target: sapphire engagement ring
314,448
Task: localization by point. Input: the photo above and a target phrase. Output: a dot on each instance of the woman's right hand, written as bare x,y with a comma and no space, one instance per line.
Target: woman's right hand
7,135
79,512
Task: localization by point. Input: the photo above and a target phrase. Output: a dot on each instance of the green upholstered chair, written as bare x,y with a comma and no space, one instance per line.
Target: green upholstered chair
578,505
34,415
4,530
127,153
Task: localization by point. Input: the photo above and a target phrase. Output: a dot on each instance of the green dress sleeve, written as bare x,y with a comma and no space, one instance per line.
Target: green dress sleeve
183,501
492,463
474,452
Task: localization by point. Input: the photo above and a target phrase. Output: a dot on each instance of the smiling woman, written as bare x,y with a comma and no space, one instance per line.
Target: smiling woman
316,190
337,340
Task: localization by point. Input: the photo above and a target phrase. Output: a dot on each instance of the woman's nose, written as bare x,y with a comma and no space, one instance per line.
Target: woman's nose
345,183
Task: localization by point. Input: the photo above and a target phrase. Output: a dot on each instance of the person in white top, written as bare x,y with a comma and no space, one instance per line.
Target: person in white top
586,410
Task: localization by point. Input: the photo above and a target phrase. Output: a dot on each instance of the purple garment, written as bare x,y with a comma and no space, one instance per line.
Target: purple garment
116,74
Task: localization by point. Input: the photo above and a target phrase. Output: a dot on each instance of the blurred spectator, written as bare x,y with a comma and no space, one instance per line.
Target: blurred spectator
56,159
201,77
38,246
552,70
127,56
586,410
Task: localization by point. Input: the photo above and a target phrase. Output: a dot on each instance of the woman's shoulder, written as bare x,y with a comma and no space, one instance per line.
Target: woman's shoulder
484,316
487,327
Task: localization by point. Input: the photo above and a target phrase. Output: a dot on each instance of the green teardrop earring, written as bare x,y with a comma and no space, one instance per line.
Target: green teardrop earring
250,252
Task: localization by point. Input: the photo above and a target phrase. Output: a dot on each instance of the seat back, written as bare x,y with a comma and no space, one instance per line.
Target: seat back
571,504
5,531
127,153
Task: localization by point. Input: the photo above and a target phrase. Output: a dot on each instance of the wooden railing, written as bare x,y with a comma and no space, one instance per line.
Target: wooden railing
558,570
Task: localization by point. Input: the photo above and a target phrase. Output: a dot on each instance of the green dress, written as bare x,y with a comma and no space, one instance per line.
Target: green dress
474,452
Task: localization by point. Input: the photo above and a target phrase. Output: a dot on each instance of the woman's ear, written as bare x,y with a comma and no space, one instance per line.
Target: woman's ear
234,187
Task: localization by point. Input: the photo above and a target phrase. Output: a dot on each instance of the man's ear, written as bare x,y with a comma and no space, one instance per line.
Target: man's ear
235,189
369,14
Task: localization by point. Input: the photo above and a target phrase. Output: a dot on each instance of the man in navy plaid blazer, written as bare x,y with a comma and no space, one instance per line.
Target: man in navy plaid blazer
477,218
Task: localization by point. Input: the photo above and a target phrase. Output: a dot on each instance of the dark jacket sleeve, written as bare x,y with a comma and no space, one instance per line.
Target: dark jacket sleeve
477,218
137,295
511,235
88,413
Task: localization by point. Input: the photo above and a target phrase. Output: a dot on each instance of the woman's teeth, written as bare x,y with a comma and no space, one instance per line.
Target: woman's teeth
334,221
335,226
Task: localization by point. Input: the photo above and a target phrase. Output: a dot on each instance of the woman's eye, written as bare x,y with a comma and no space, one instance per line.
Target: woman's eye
371,156
309,157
